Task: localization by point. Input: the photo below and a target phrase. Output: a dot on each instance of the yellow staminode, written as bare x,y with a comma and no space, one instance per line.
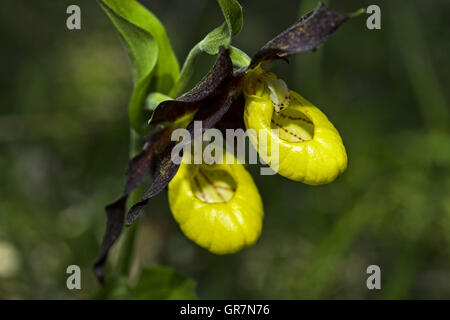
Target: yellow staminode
310,148
217,206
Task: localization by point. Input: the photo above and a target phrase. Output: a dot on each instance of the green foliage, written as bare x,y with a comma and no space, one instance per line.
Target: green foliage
115,288
163,283
239,57
155,283
155,67
154,99
220,36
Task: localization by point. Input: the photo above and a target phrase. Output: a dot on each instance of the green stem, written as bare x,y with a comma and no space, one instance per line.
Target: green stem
357,13
239,57
186,71
126,253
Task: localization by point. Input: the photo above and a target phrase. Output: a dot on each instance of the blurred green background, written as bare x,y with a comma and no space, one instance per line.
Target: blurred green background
64,146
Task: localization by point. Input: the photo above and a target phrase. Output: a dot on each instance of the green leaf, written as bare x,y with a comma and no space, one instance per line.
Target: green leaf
239,57
114,289
155,283
163,283
154,99
220,36
167,69
155,67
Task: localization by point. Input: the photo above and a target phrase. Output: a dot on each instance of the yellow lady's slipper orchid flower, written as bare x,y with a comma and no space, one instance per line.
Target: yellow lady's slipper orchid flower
217,206
310,148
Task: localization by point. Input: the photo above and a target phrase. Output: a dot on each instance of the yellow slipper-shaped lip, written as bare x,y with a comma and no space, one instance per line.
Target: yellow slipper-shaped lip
217,206
310,148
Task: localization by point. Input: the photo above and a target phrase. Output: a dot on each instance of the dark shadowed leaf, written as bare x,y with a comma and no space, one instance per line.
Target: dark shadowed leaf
138,169
310,31
220,73
215,108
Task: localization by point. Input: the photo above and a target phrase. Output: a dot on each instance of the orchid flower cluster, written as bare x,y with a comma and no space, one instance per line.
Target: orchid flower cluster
218,206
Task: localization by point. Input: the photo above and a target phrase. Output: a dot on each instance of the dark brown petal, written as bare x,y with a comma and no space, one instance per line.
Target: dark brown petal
234,118
210,85
310,31
138,169
115,213
166,170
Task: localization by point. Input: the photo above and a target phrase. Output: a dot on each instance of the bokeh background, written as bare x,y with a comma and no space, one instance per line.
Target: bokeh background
64,146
